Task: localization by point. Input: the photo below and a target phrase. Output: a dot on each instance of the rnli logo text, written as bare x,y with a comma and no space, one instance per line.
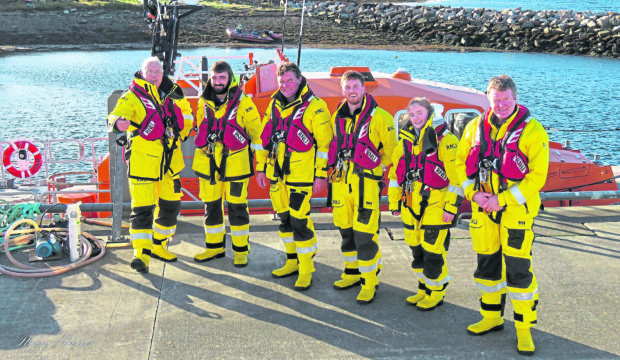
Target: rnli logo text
304,139
150,127
441,173
372,156
520,164
239,137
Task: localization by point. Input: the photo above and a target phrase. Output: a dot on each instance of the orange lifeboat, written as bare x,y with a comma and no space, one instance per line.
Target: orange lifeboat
569,170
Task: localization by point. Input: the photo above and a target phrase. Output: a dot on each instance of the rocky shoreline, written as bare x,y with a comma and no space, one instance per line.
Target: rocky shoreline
561,32
327,24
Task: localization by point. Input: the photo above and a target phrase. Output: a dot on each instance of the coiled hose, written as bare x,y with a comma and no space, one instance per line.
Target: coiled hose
31,272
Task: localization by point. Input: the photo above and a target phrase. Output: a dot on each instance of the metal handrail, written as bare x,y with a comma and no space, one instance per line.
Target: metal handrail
321,202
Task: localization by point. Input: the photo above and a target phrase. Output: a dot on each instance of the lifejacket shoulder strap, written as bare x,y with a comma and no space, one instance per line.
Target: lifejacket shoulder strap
305,101
408,141
523,117
441,131
365,115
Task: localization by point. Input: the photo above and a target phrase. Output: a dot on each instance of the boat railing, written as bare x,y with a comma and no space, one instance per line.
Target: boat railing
58,154
52,181
194,70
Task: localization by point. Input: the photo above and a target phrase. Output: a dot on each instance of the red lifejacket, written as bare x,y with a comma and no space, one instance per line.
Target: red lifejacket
426,167
503,157
355,146
225,129
290,130
158,117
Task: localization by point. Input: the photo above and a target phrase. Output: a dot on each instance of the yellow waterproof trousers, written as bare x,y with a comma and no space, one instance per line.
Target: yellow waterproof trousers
236,194
428,238
504,247
356,215
146,196
292,203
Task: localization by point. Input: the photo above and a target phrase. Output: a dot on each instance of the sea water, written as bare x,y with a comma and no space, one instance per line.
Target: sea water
581,5
64,94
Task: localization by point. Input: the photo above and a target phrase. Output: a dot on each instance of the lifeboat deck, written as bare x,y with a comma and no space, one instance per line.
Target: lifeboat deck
187,310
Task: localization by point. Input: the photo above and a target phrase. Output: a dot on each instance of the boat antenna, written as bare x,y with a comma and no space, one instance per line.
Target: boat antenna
164,19
284,25
301,31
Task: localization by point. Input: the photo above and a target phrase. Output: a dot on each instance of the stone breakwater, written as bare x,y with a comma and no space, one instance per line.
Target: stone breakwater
551,31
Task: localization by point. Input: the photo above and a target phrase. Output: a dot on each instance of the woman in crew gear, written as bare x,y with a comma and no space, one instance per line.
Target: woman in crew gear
423,180
363,145
296,136
228,126
157,117
502,162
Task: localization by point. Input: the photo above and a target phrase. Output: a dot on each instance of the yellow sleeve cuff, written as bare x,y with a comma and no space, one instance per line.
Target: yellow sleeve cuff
501,199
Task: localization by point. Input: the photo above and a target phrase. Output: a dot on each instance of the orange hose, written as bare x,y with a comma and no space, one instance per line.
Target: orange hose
30,272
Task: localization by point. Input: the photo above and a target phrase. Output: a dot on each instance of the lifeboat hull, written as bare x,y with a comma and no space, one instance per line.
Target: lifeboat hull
569,170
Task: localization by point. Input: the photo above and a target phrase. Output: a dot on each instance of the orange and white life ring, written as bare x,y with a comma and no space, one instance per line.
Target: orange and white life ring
28,160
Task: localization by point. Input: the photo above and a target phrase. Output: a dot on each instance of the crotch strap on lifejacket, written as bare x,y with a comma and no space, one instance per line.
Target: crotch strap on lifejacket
290,131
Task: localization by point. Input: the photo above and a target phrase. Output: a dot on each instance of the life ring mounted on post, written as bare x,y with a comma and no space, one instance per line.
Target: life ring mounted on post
28,160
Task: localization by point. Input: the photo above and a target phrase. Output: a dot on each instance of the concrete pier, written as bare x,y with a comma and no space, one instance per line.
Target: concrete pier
212,310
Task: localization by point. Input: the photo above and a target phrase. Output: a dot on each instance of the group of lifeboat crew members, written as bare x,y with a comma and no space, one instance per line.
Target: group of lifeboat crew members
500,165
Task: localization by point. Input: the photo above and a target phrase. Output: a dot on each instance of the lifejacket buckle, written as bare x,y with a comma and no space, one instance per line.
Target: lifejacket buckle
210,148
213,137
273,154
486,165
413,175
169,132
345,155
495,164
484,175
336,175
277,137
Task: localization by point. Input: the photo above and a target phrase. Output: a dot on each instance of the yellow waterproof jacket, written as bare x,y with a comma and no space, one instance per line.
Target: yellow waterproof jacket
145,160
381,133
304,166
238,164
452,195
534,143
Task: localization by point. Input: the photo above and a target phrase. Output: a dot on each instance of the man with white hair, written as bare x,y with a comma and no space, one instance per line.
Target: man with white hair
156,117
